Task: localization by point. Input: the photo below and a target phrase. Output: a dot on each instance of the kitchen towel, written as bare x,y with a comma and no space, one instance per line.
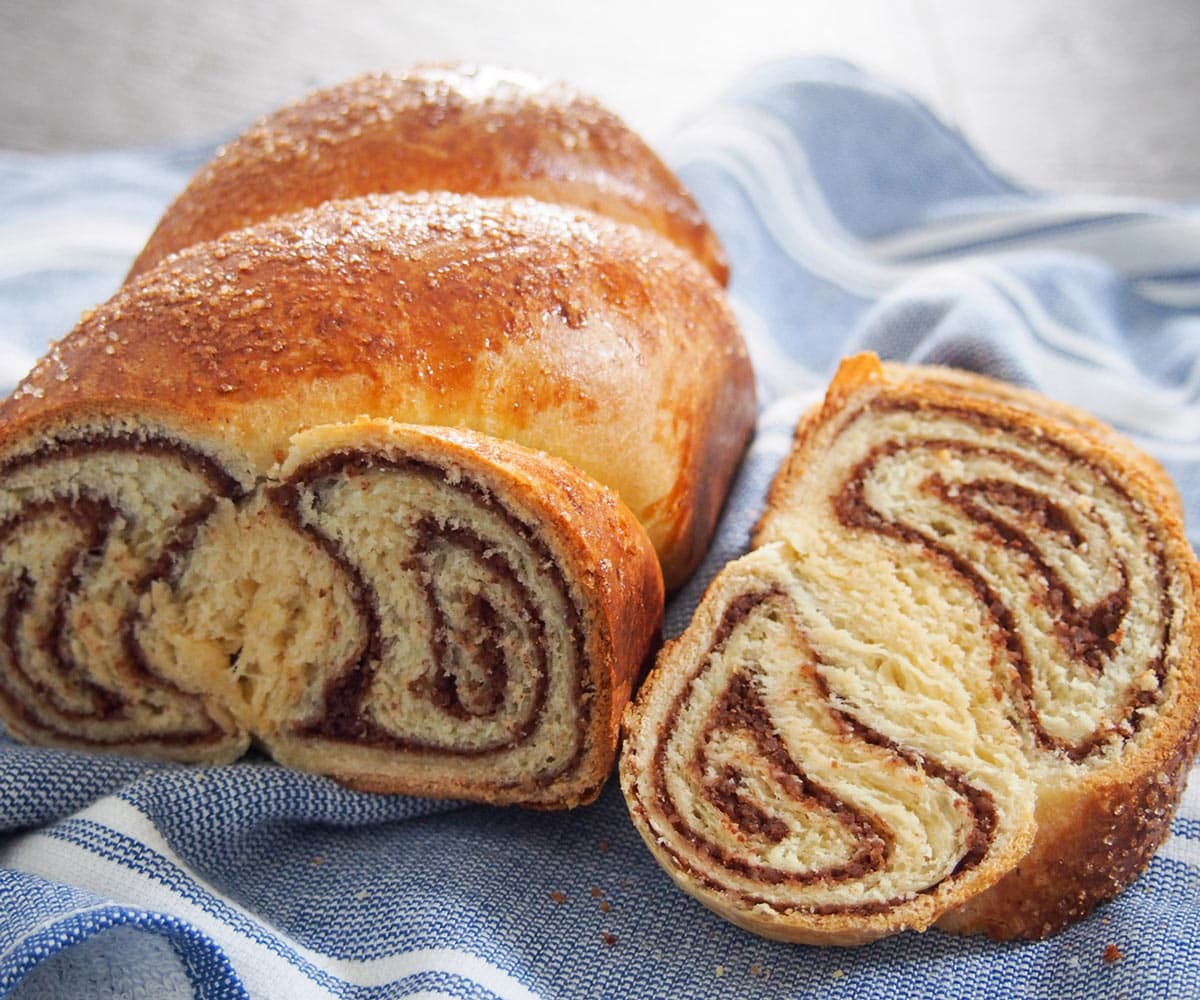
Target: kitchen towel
854,219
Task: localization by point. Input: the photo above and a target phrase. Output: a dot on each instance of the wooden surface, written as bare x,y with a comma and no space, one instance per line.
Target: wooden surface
1079,95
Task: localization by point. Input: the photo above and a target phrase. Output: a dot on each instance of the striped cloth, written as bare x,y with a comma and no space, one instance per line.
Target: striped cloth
854,219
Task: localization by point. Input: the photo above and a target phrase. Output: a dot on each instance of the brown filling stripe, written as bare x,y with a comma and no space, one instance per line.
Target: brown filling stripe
343,715
93,517
741,707
443,685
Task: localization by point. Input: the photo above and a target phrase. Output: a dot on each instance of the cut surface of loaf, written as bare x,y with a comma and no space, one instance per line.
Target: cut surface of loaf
203,545
470,129
407,609
955,682
90,517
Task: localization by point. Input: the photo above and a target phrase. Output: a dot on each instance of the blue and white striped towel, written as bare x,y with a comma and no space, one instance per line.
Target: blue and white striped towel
854,219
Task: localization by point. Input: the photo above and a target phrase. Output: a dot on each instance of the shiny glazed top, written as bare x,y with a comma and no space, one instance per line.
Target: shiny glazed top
467,129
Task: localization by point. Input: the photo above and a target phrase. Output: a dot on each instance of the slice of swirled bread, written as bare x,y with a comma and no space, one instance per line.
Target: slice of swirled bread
956,681
420,610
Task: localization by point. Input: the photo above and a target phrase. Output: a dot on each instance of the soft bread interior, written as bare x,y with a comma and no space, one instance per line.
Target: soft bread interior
85,531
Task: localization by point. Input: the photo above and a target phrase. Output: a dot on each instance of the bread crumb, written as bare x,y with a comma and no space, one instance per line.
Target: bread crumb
837,973
605,906
609,939
1112,954
720,971
597,892
557,897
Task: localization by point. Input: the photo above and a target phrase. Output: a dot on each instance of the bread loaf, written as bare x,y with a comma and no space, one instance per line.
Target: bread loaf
295,485
955,682
493,132
470,129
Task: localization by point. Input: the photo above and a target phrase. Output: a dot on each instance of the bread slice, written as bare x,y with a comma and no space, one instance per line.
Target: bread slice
407,609
955,681
420,610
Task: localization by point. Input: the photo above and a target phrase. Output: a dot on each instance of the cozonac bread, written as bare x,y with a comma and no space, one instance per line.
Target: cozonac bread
954,683
388,485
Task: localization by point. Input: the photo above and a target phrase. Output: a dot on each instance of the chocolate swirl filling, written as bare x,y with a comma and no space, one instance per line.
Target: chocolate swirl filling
1012,517
38,618
470,637
741,707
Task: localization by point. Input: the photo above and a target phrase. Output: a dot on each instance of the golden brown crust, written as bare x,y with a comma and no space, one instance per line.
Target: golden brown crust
1088,849
557,329
469,129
